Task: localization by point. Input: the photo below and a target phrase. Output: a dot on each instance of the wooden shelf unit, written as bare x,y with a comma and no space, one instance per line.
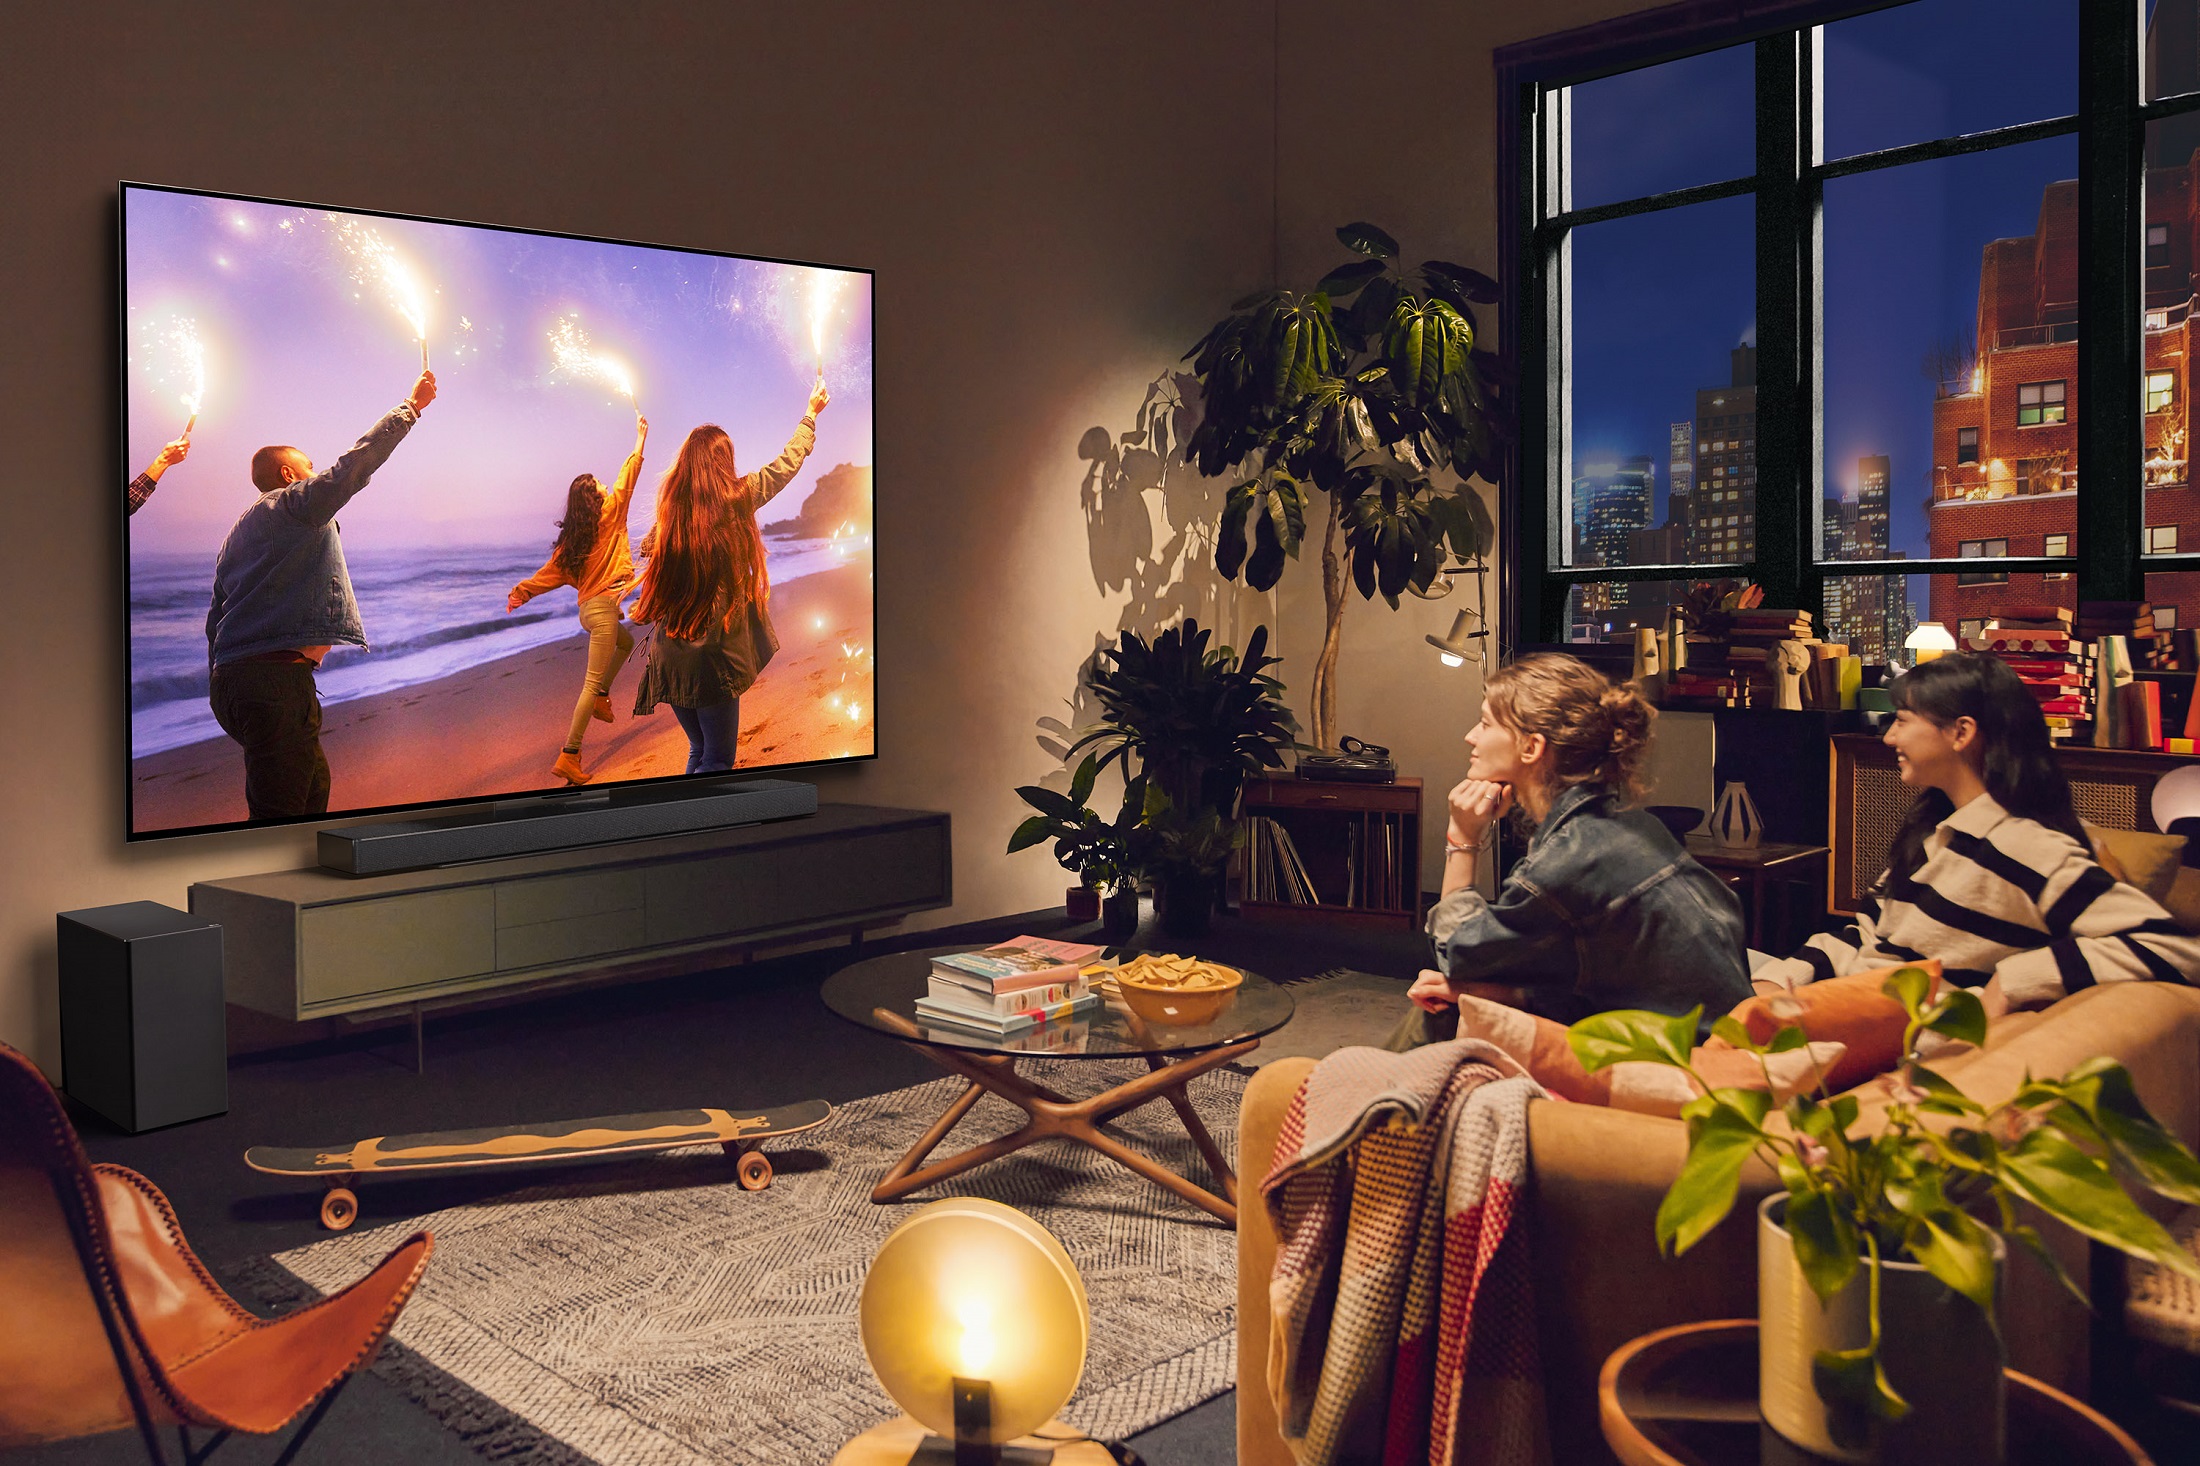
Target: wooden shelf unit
1360,844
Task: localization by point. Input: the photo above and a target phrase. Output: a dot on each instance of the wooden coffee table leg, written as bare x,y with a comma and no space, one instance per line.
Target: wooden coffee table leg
1050,1116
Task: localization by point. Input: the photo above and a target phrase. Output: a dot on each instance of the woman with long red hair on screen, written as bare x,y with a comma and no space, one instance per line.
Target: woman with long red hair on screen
592,556
705,588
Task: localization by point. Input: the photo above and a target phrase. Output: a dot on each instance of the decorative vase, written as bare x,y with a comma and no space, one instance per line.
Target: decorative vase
1185,903
1735,823
1119,914
2111,671
1647,661
1082,903
1941,1352
1674,642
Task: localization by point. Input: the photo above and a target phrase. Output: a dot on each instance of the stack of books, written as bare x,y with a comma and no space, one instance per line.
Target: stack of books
1738,672
2134,619
1008,991
2055,664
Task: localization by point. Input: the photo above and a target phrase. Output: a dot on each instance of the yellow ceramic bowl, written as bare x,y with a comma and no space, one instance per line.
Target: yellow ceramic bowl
1178,1006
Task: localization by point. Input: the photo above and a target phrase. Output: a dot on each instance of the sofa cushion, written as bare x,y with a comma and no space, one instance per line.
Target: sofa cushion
2137,858
1850,1010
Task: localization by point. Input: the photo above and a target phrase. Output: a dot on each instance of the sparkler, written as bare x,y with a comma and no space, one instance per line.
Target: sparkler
824,285
183,340
376,265
570,347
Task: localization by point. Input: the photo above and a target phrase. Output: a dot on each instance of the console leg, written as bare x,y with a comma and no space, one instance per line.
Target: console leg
420,1041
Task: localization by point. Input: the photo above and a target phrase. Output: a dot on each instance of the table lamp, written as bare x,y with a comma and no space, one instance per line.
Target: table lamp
2175,805
1930,640
1453,648
974,1320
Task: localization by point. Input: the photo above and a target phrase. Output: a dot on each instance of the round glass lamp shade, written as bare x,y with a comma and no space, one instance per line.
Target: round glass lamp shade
2176,796
968,1288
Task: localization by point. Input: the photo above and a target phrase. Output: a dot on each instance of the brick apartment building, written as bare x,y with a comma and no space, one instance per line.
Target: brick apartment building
2005,445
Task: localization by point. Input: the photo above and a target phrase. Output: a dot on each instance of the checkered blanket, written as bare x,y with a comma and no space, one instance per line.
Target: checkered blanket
1404,1330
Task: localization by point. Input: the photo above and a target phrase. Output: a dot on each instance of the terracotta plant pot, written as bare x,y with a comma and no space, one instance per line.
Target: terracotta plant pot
1082,903
1941,1353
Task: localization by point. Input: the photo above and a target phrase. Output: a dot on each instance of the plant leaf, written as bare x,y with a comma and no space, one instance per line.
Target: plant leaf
1048,802
1030,833
1633,1033
1909,986
1348,277
1472,283
1720,1142
2077,1190
1825,1241
2102,1088
1366,239
1959,1015
1081,782
1957,1250
1856,1391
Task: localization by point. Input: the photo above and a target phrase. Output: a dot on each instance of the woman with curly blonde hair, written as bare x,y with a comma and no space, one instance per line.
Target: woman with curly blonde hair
1605,910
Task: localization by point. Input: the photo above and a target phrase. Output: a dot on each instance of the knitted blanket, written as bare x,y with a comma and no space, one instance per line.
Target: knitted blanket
1404,1322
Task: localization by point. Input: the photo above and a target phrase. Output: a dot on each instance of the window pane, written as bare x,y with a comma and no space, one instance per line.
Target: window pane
1663,365
1942,68
1974,598
1664,127
1951,305
1873,615
2174,598
2171,64
2172,515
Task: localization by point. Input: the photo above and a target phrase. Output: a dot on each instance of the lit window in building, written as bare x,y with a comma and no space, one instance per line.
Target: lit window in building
2157,320
2039,403
2161,390
2157,245
1971,626
1966,445
2161,539
2056,546
2165,618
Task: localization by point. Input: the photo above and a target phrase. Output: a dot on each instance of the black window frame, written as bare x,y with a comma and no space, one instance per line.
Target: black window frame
1966,446
2110,127
2169,392
2042,404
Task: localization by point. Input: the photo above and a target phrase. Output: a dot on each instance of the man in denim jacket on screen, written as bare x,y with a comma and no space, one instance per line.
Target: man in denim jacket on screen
282,599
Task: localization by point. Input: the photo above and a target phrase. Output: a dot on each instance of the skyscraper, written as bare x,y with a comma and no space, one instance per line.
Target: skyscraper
1680,479
1723,500
1609,504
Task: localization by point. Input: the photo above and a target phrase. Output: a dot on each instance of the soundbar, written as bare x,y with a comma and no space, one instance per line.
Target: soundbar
562,824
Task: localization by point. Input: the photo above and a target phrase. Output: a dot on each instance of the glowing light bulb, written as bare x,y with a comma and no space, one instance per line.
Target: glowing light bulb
974,1352
1451,659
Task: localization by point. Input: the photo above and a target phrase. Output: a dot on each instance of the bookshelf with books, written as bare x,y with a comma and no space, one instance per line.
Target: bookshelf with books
1346,854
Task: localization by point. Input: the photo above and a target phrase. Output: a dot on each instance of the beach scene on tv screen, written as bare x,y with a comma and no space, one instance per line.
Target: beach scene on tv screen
358,445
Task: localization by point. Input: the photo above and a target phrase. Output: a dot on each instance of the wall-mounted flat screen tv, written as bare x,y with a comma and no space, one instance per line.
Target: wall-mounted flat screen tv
422,513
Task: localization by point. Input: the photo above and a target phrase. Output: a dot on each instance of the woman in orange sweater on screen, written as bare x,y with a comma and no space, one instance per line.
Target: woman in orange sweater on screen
592,556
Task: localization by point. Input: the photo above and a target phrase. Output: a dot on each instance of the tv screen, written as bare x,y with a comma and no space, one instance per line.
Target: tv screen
422,513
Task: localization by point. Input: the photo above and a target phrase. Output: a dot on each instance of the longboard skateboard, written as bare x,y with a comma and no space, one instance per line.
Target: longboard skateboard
558,1140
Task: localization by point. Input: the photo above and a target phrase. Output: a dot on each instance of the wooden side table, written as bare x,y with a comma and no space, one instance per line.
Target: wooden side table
1360,844
1687,1396
1756,867
893,1443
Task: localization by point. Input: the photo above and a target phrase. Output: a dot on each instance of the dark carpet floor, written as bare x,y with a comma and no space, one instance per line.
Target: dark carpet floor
735,1037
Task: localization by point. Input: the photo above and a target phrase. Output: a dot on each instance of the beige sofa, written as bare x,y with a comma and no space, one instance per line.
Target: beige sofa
1599,1175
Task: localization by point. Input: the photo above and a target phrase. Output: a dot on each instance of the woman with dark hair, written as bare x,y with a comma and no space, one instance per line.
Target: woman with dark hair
1605,910
592,556
1991,872
706,587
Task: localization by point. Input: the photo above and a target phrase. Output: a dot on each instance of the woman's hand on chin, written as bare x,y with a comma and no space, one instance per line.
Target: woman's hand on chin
1431,992
1476,804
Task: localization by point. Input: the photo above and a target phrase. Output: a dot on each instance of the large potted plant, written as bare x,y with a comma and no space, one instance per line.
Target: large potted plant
1198,720
1369,390
1880,1259
1097,851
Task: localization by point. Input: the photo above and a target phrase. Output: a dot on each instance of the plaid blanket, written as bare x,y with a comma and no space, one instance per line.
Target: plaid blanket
1404,1330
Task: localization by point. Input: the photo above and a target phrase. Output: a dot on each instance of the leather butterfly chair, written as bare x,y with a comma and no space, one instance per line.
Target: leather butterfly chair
106,1316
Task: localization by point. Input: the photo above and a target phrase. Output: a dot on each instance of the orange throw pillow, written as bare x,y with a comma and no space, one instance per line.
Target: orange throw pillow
1847,1010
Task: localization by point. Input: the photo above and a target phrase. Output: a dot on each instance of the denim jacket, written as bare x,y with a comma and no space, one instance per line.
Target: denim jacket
280,580
1606,910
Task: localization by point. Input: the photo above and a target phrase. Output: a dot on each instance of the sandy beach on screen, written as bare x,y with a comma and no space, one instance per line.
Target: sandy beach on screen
495,729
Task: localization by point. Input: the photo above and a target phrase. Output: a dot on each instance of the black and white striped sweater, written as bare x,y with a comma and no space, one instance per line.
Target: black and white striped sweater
2002,896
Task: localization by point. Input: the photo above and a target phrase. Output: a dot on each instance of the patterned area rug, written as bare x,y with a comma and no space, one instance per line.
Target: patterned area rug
654,1314
1339,1009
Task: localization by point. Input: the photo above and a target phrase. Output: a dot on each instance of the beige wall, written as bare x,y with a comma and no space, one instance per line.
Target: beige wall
1057,199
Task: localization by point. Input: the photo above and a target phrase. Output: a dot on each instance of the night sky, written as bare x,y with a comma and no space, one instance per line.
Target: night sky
301,351
1660,299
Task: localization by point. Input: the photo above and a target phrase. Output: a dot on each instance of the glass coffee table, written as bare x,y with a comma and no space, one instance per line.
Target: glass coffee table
880,994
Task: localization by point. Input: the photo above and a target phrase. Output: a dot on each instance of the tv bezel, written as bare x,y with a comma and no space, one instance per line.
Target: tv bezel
121,474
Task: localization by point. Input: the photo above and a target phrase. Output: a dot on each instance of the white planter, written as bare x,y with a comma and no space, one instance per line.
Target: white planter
1940,1352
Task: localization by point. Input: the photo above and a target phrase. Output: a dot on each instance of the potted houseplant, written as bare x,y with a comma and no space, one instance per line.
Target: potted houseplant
1385,406
1096,851
1199,720
1879,1260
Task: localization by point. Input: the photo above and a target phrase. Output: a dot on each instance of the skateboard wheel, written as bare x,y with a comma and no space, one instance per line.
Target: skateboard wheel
339,1209
755,1171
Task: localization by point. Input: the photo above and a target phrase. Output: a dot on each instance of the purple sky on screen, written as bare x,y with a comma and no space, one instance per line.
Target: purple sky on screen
298,351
